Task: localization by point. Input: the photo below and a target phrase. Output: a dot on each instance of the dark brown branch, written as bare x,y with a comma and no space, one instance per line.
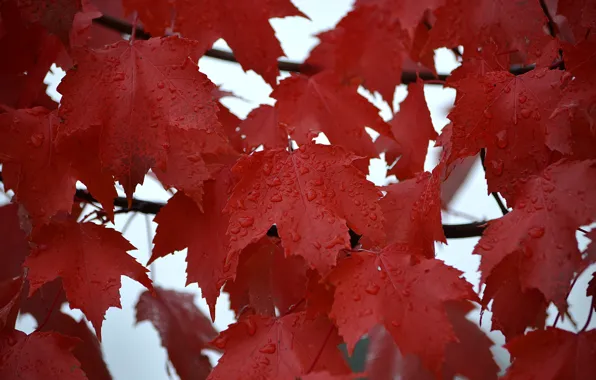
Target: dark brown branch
452,231
293,67
124,27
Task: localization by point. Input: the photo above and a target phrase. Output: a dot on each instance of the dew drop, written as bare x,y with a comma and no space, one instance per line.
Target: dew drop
356,297
276,198
295,236
311,194
269,348
267,169
497,167
487,114
372,216
37,139
522,99
251,326
246,221
525,112
502,139
160,85
536,232
234,230
372,289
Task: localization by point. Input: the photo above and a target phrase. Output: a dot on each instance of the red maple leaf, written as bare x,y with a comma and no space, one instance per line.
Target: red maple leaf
553,354
87,351
278,348
515,27
408,12
321,103
365,46
41,179
469,356
149,107
66,19
262,127
510,117
40,355
311,194
10,292
90,259
513,308
244,25
183,329
182,224
266,280
405,293
412,211
541,229
412,128
14,242
32,51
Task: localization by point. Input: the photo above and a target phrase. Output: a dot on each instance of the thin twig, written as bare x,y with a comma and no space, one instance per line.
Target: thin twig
590,312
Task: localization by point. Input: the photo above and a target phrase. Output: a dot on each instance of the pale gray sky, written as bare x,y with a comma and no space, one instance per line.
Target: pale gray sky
135,352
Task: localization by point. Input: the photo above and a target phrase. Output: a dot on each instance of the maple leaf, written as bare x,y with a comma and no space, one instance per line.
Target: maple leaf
63,18
412,128
412,211
366,46
38,355
408,12
262,127
508,115
147,104
513,308
407,295
311,195
266,280
553,354
41,180
183,329
513,26
278,348
470,355
321,103
32,51
10,291
14,242
230,124
90,259
244,25
181,224
541,229
87,351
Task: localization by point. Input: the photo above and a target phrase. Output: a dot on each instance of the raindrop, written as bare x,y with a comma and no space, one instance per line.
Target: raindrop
536,232
251,326
246,221
372,288
269,348
37,139
502,139
311,194
276,198
160,85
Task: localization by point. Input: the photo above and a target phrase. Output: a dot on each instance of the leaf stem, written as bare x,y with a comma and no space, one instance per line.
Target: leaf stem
49,314
312,366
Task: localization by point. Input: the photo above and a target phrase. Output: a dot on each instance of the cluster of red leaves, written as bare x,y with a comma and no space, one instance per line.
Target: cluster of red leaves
130,107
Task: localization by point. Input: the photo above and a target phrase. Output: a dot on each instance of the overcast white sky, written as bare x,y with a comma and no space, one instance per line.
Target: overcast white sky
135,352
